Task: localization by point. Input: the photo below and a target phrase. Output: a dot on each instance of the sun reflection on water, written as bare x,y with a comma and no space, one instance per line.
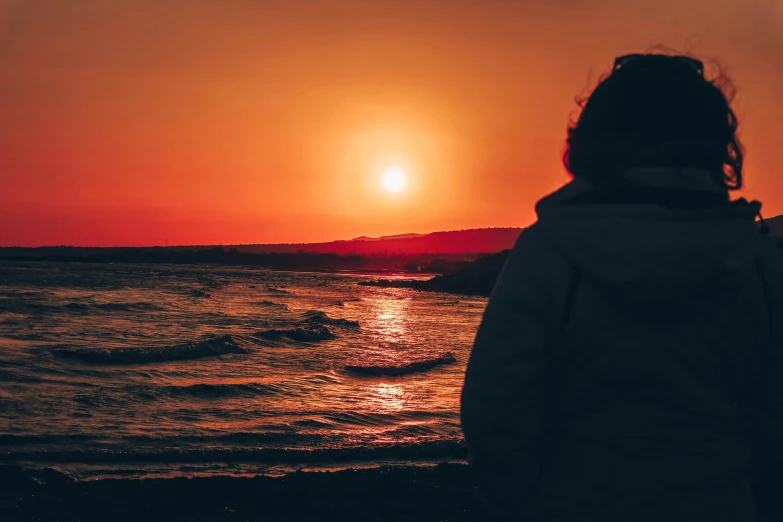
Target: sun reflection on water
385,397
389,319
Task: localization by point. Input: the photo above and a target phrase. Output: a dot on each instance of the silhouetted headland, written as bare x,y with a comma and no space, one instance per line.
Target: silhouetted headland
476,278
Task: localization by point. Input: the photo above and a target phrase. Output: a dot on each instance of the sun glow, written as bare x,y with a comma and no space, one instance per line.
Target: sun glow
394,179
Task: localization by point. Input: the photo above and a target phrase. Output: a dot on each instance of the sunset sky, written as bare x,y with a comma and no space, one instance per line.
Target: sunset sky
129,122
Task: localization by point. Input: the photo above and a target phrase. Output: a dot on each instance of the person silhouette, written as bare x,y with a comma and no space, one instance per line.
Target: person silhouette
629,365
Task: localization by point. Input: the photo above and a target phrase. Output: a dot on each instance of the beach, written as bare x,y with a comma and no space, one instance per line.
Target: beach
445,492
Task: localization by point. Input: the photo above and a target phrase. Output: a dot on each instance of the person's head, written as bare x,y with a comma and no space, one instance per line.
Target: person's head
656,110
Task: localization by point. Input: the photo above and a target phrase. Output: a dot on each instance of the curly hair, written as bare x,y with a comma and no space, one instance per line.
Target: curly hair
656,110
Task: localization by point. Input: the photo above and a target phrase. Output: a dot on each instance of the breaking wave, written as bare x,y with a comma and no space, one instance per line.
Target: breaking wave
272,304
406,369
317,317
20,307
312,327
307,335
219,390
213,347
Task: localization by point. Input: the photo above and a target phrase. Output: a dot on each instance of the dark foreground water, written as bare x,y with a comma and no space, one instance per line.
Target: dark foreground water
134,370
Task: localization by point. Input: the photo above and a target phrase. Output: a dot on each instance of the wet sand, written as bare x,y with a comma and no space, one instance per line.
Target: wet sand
446,492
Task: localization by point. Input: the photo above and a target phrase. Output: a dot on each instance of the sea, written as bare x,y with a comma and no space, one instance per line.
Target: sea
130,371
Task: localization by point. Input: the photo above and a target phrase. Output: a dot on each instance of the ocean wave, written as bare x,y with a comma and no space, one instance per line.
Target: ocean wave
425,451
128,307
272,304
197,292
309,335
21,307
406,369
13,440
218,390
115,307
9,376
210,282
317,317
213,347
149,443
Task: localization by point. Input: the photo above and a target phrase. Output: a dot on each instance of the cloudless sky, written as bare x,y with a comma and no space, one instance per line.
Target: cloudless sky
129,122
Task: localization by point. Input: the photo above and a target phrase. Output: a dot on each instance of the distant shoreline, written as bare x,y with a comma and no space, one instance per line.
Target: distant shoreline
408,276
426,264
359,272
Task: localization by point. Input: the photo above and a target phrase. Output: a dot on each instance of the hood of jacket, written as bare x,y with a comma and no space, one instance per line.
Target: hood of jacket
645,250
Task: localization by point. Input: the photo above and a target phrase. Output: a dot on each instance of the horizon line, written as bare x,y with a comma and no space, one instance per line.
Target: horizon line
357,239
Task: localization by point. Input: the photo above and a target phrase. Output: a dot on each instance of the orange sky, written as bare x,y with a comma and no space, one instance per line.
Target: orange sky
129,122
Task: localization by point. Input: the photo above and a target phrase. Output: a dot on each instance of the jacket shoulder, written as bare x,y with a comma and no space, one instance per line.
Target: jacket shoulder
534,267
535,250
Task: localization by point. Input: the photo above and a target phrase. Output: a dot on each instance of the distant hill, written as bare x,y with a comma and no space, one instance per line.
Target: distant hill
382,238
475,241
465,244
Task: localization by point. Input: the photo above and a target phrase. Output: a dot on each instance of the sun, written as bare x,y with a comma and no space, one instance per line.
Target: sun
394,179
